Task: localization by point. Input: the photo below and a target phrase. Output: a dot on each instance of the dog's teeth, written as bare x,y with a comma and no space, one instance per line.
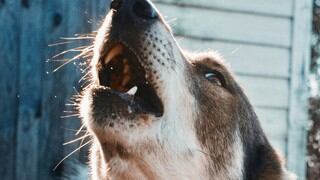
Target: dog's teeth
116,50
133,90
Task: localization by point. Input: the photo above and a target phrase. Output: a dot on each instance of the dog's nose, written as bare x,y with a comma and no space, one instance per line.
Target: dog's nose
139,8
144,9
115,4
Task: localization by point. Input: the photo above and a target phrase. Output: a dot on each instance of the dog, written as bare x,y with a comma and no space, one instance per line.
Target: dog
156,112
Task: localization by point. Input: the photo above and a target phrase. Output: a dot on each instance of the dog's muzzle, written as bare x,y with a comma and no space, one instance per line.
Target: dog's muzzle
127,83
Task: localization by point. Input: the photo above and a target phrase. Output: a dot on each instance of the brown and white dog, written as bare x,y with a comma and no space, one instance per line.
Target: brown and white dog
156,112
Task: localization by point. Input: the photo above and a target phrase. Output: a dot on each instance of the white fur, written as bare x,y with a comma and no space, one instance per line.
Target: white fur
234,167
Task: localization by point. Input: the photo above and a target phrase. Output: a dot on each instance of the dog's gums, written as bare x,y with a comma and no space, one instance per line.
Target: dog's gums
156,112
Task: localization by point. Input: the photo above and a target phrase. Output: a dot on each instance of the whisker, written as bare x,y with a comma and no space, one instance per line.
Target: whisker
58,60
74,99
61,66
75,140
86,85
80,129
236,49
68,111
90,54
60,43
78,38
87,68
71,154
72,104
172,20
87,133
72,59
69,116
77,49
84,77
73,130
78,93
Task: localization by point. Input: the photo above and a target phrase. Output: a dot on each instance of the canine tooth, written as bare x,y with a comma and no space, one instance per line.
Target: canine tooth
133,90
116,50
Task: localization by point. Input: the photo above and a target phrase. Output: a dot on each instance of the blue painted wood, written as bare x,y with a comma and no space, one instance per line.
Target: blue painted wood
32,131
99,11
50,134
75,71
9,97
30,68
62,19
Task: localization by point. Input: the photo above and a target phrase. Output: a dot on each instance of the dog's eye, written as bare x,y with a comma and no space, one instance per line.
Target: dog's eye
215,77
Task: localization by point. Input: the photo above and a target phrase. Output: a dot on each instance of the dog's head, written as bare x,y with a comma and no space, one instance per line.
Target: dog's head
150,97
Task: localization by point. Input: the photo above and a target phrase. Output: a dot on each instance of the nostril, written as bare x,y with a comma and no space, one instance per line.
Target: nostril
144,10
116,4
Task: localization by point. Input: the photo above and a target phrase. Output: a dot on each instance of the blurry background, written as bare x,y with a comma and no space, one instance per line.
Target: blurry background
266,42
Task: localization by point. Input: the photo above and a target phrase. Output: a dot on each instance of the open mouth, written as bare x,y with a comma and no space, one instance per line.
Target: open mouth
122,72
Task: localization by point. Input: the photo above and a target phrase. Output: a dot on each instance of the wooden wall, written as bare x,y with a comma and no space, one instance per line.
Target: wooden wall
266,43
32,96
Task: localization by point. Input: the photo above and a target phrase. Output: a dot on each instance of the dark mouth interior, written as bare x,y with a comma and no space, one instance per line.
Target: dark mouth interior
124,72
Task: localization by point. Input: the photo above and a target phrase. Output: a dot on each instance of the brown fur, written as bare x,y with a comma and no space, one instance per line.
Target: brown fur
227,111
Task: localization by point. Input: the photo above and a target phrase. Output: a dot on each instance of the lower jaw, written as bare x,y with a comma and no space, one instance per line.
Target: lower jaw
115,105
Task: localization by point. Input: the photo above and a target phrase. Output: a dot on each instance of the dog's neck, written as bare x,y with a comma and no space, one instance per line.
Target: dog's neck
147,162
169,154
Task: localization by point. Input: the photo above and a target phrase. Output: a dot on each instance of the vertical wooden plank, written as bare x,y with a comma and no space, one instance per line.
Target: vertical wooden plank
63,19
79,14
298,112
9,72
50,150
31,61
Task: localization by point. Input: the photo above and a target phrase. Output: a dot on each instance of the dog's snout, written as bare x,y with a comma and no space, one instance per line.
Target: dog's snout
144,10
